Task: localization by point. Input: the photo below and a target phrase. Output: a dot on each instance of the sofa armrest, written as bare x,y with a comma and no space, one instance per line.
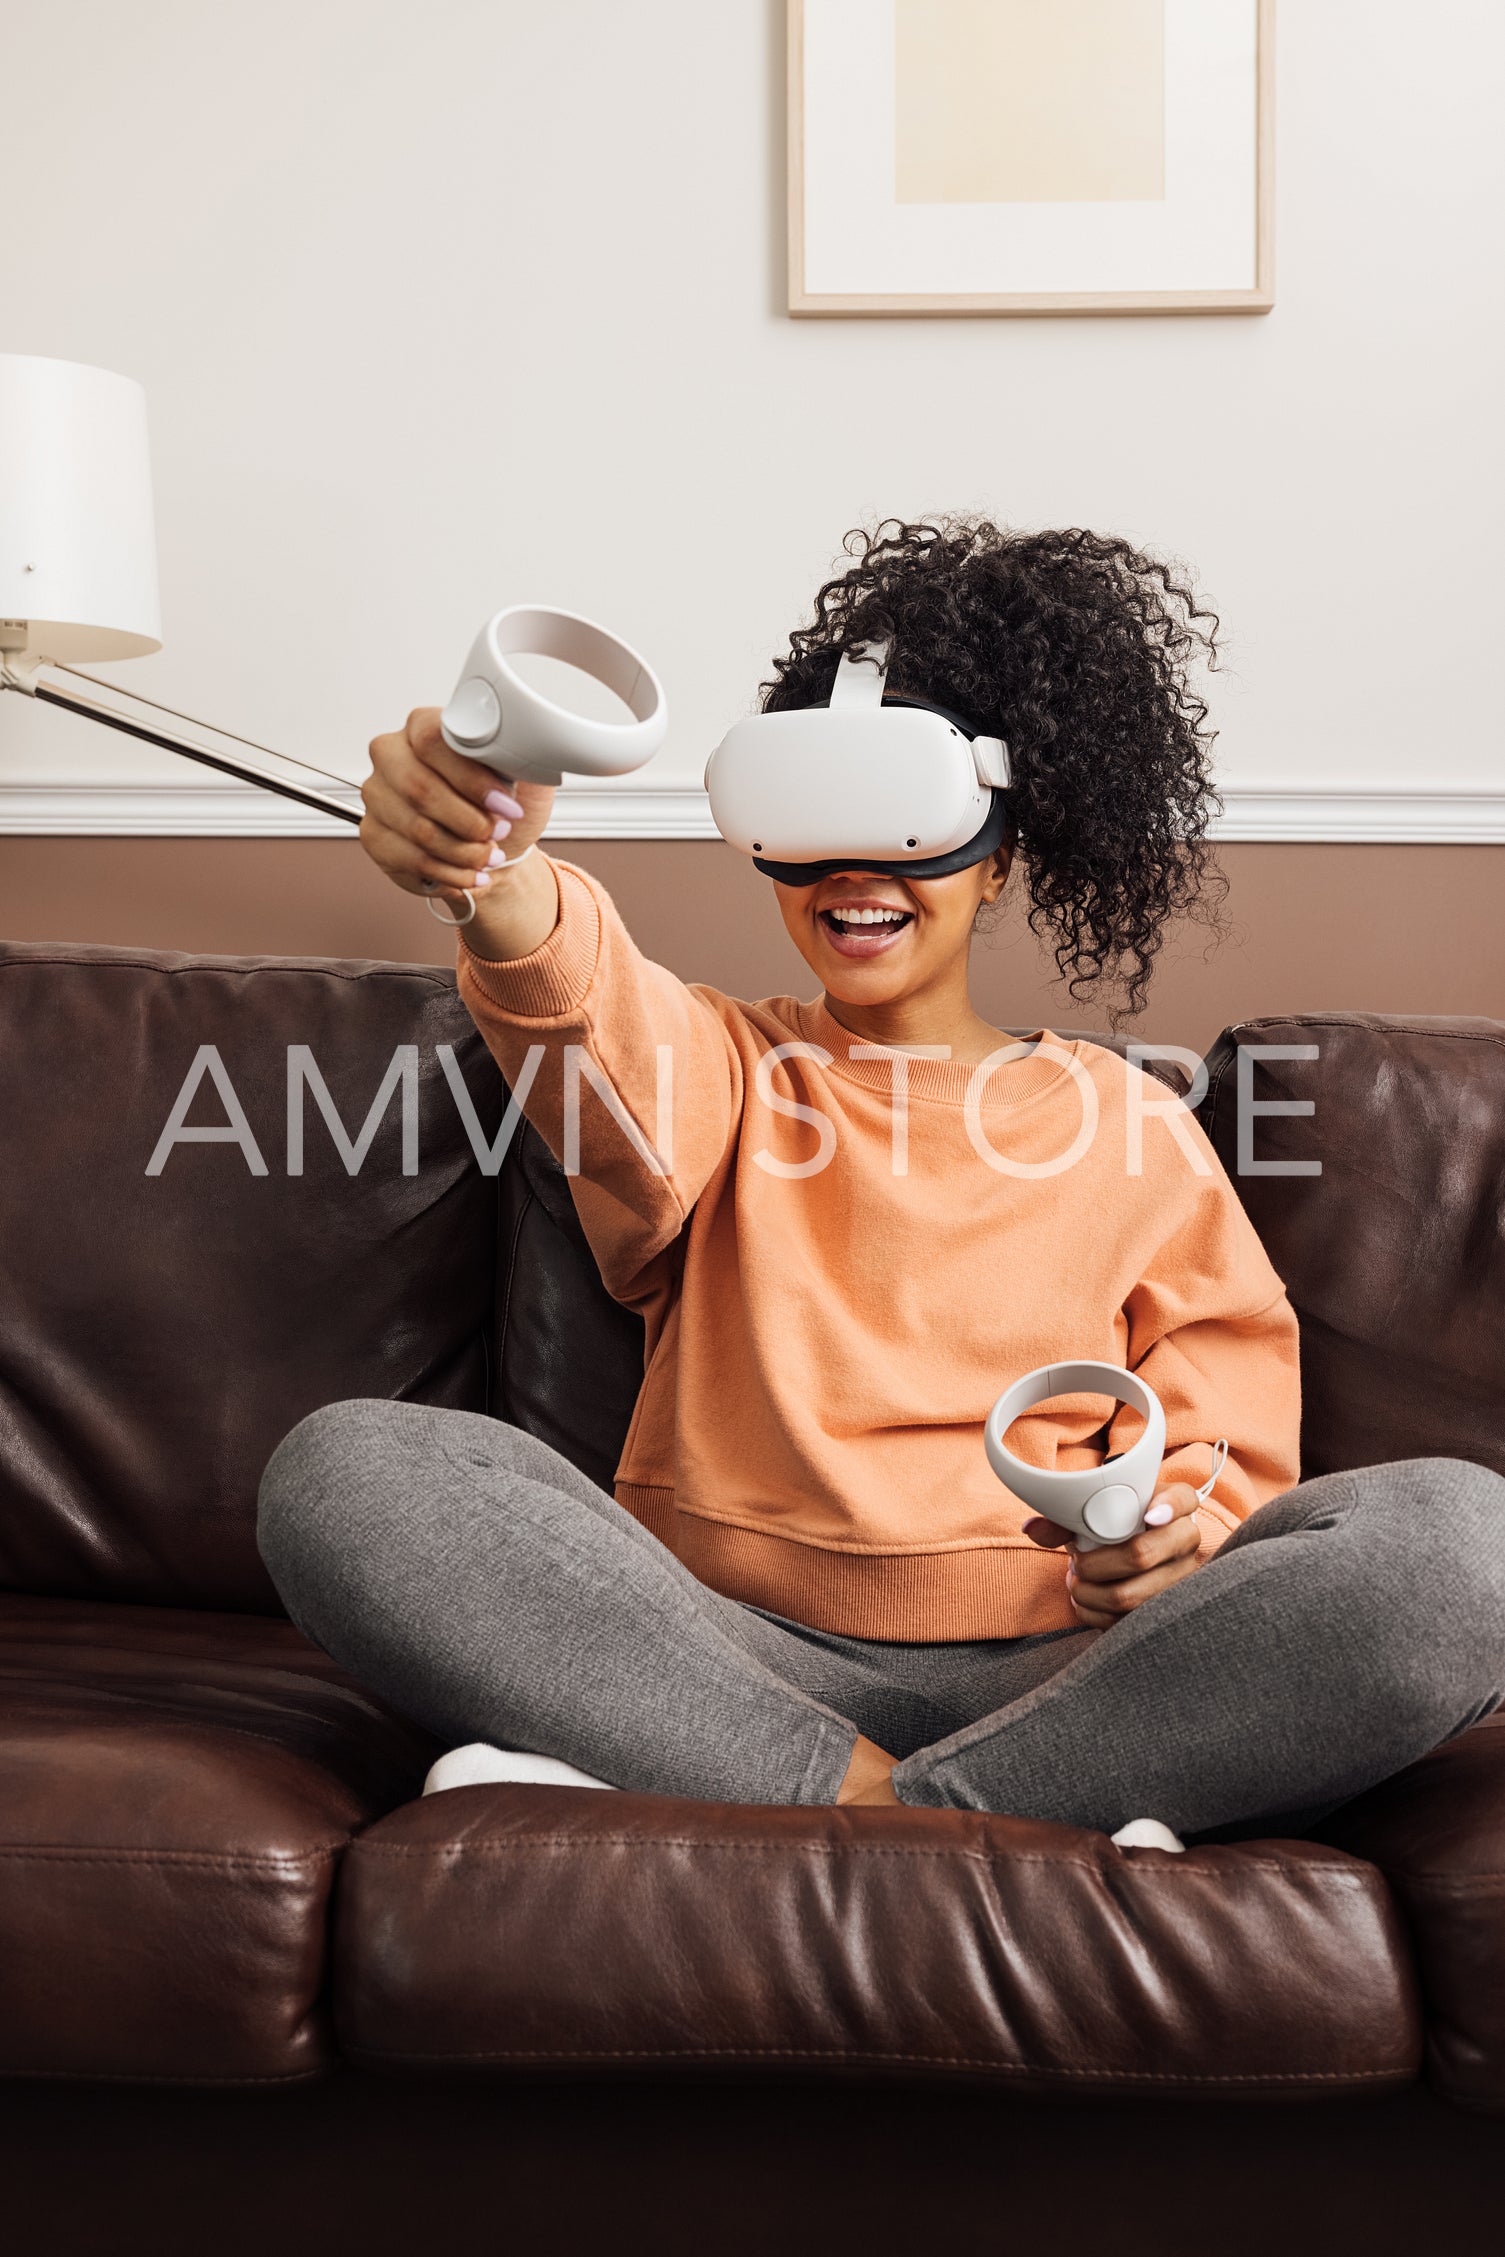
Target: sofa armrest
1437,1832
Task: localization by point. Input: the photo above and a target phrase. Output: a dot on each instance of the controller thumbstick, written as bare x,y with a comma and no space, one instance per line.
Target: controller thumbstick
1112,1514
473,715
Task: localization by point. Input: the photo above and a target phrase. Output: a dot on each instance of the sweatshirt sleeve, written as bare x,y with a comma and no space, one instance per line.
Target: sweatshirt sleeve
1211,1330
631,1078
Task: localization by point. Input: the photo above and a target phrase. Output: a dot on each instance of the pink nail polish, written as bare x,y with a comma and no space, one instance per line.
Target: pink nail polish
500,827
483,878
1157,1516
501,803
496,856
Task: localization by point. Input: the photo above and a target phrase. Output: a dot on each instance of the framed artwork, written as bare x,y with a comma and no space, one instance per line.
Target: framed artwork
1031,156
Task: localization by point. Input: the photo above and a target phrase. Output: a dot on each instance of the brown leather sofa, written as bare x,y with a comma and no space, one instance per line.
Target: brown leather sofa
241,1964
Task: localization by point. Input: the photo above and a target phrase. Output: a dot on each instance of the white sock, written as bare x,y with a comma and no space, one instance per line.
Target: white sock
1146,1833
478,1765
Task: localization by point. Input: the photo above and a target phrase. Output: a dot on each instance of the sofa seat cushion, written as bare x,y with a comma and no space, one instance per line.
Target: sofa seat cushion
1437,1831
514,1928
175,1793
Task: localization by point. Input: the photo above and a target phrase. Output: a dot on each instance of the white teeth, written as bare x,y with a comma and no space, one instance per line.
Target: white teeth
869,916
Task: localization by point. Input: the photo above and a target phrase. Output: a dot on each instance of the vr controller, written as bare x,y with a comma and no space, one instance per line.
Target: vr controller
1102,1504
497,717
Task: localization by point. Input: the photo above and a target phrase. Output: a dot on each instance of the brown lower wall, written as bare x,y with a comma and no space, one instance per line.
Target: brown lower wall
1312,927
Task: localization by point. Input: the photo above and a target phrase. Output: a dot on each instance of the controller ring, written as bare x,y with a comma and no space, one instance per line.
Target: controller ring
497,717
1065,1495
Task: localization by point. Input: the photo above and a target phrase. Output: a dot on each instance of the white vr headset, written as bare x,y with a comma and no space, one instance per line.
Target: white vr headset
866,782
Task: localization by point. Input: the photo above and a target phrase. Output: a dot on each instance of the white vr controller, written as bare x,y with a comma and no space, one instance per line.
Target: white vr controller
1104,1504
497,717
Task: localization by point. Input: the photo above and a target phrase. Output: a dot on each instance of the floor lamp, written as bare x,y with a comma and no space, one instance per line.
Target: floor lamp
78,563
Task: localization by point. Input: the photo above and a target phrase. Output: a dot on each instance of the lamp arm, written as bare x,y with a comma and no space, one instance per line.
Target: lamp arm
91,711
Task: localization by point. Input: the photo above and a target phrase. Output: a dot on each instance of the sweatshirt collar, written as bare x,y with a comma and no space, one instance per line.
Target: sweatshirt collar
945,1080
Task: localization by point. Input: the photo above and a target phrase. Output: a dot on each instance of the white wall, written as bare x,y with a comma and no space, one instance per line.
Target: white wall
441,306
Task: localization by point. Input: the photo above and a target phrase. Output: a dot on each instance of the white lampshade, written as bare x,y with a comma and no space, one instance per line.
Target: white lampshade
78,549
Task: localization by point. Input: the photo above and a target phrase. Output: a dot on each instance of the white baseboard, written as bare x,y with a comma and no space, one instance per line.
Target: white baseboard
158,811
1337,814
1284,812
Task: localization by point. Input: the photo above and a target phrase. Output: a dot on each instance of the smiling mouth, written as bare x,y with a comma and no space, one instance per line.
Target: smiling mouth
866,931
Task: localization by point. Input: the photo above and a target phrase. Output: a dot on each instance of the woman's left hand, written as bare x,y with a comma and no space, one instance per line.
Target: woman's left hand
1106,1584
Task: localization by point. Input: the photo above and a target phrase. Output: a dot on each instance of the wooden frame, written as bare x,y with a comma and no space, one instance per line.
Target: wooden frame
1258,300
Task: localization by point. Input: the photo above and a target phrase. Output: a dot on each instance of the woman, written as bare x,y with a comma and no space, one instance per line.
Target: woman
810,1587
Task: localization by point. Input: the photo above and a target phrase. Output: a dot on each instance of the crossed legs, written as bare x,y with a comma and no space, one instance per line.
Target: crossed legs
483,1585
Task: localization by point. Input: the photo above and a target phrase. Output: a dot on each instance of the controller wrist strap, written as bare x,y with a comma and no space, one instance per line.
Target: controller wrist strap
439,910
1219,1460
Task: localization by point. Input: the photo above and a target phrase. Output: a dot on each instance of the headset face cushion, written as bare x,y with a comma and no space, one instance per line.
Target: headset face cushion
994,832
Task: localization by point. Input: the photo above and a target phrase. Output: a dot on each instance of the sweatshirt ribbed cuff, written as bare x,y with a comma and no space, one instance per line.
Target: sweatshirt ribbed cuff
553,982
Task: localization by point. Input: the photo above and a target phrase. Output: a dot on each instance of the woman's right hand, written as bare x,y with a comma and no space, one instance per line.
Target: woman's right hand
439,823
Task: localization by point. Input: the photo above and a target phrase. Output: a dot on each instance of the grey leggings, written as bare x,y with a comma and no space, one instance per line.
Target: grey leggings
480,1583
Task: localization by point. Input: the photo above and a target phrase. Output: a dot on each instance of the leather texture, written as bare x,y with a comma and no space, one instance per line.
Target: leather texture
176,1790
1437,1832
498,1929
160,1334
1394,1257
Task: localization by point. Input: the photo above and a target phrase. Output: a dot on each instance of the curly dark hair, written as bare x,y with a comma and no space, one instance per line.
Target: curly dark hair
1077,648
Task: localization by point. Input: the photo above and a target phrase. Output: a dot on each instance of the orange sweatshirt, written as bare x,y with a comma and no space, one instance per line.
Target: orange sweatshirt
836,1284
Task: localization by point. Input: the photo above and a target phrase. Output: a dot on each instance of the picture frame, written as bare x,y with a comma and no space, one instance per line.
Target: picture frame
880,199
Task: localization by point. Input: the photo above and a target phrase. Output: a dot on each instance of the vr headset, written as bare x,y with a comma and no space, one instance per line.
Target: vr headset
867,782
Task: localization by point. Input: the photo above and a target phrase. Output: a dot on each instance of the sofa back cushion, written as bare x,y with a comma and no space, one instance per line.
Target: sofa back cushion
161,1331
569,1357
1394,1255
